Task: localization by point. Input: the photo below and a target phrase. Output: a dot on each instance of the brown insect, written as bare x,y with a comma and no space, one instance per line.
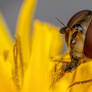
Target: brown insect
78,36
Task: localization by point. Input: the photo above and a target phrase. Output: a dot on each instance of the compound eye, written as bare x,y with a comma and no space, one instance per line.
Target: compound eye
78,27
78,17
88,42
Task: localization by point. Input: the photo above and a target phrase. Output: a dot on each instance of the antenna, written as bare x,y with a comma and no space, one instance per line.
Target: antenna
60,21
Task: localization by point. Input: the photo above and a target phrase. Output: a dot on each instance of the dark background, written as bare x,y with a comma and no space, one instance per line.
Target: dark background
46,10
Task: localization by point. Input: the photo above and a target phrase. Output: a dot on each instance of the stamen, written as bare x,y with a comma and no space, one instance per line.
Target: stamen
18,72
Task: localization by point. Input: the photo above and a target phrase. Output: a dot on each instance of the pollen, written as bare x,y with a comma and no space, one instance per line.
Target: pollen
18,72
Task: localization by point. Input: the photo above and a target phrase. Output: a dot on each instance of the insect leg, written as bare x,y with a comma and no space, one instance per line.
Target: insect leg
57,73
61,58
84,60
80,82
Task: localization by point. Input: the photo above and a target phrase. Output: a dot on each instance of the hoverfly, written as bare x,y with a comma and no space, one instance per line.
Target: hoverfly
78,36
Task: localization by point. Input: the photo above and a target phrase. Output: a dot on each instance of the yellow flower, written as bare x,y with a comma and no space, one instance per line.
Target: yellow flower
28,62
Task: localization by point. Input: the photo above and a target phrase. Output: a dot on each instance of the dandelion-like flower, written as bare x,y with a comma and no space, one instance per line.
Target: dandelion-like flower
27,62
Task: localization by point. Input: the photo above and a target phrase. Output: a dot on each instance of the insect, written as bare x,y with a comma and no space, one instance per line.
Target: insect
78,36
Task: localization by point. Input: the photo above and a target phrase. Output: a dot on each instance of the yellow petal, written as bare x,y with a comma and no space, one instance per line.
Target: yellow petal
20,51
37,76
5,47
83,73
56,43
90,88
5,39
21,48
24,26
6,83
